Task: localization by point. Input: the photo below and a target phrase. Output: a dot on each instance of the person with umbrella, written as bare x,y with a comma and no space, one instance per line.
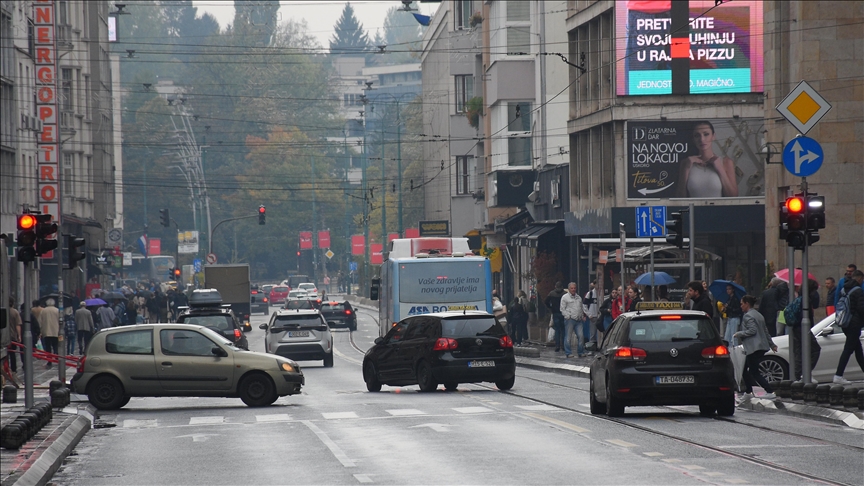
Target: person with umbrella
756,341
86,326
105,315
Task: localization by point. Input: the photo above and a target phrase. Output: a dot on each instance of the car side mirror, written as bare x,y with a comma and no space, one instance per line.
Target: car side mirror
262,326
379,340
217,351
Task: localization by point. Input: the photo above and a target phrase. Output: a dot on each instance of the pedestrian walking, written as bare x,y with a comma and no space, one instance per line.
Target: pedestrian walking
830,295
553,303
606,311
592,312
734,313
700,300
131,311
853,289
620,303
850,269
85,325
632,298
517,317
768,306
49,322
756,341
16,335
573,312
35,329
70,331
499,310
106,317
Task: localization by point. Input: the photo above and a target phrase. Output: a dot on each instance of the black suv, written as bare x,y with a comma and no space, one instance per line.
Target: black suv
205,309
339,314
443,347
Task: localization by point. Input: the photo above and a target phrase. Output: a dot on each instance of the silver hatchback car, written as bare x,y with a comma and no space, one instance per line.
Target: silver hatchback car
299,334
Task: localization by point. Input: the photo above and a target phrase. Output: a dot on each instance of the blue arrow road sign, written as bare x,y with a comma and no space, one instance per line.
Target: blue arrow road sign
352,266
802,156
650,221
196,264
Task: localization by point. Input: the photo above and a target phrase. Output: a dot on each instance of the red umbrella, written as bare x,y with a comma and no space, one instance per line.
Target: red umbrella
784,275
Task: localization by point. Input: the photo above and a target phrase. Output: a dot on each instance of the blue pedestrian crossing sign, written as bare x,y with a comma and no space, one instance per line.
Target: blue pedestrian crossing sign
802,156
196,264
650,221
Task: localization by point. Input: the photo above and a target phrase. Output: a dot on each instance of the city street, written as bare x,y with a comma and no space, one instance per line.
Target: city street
539,433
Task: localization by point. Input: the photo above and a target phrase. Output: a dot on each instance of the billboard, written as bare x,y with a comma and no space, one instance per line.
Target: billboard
187,242
695,159
723,43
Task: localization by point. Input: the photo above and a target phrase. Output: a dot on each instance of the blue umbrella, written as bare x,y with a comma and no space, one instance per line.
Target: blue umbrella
660,278
96,302
718,288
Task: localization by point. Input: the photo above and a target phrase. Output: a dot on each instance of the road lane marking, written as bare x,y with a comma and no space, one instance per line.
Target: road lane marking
363,478
653,454
276,417
559,423
206,420
338,415
130,423
714,474
621,443
737,481
322,436
538,408
472,409
346,358
435,427
405,412
692,467
671,460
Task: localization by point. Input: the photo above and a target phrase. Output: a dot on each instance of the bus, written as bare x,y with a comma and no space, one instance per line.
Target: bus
157,267
425,275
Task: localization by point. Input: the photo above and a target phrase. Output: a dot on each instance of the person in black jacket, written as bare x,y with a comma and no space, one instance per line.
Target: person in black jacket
553,303
699,299
768,306
853,330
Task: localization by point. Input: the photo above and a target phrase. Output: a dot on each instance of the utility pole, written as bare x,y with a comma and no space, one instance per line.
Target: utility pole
383,192
314,226
399,167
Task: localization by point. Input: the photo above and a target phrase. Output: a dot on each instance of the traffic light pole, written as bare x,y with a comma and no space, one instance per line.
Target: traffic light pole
210,240
28,341
790,261
805,295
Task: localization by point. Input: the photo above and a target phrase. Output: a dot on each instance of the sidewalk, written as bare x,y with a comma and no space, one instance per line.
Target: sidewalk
40,457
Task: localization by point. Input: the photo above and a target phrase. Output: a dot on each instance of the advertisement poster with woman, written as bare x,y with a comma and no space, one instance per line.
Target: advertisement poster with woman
695,159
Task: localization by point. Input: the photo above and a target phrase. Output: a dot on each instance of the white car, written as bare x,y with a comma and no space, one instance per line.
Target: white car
297,295
310,289
775,366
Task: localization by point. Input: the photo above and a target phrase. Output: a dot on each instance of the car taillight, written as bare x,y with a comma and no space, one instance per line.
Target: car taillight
670,318
506,342
81,364
236,333
629,354
716,352
347,312
265,300
445,344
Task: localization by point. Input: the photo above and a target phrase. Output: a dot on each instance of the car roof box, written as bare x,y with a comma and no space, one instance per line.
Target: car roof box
205,298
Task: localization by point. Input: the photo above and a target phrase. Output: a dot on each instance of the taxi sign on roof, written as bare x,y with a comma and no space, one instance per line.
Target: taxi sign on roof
643,306
803,107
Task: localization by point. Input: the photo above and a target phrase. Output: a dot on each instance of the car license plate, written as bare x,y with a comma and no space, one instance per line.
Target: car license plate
675,380
298,334
481,364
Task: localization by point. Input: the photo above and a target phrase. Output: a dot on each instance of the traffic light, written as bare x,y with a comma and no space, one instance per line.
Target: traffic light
176,273
164,217
74,251
26,238
796,222
675,230
784,221
44,229
262,214
815,212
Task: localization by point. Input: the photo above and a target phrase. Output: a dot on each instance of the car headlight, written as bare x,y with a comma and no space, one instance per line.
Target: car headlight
285,366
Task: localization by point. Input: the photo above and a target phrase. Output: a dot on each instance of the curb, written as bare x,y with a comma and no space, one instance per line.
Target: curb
853,420
42,470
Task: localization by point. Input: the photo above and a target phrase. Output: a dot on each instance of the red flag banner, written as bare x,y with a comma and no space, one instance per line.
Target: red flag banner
357,245
377,250
412,232
392,236
155,247
323,239
305,240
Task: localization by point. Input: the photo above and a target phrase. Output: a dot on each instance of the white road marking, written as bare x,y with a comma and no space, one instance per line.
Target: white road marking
770,445
671,460
130,423
363,478
346,358
322,436
435,427
196,437
339,415
653,454
621,443
559,423
406,411
537,408
692,467
714,474
206,420
473,410
276,417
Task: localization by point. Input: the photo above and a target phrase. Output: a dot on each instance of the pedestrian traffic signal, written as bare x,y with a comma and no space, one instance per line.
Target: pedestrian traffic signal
262,214
26,238
74,251
815,212
164,217
796,222
675,230
45,231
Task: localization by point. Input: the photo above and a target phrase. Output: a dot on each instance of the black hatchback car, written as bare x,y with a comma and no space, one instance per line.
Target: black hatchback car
662,358
339,314
444,347
218,318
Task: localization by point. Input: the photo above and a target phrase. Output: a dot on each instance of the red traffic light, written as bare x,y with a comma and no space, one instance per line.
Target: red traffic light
795,205
26,222
262,210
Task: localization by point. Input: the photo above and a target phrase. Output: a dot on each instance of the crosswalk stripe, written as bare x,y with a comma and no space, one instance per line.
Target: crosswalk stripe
206,420
339,415
537,408
406,411
473,410
131,423
276,417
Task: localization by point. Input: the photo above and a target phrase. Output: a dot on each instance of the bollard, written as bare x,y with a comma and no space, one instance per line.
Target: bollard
55,385
10,394
850,397
822,393
46,407
58,399
810,392
43,418
13,436
835,396
784,390
797,390
67,393
29,427
861,399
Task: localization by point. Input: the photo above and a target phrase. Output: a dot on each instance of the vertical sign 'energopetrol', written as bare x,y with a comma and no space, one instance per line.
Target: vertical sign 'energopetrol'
47,142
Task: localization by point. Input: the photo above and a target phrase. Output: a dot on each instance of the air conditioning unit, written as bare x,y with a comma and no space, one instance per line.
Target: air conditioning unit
25,122
36,124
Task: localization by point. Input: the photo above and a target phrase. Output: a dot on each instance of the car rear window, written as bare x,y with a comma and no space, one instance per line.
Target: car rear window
222,323
131,342
299,304
456,328
280,289
332,307
302,320
671,329
306,286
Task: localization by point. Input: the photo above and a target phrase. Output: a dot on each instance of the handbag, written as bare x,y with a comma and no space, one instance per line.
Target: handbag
781,317
550,337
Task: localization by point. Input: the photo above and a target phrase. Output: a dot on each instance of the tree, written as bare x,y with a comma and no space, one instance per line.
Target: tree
255,21
403,36
349,38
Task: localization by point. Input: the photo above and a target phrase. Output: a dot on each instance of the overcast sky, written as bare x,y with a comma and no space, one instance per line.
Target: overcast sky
320,15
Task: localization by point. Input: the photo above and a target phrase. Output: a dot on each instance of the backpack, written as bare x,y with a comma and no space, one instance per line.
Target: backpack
842,311
792,313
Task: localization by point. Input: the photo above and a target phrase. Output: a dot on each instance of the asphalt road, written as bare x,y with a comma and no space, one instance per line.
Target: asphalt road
540,433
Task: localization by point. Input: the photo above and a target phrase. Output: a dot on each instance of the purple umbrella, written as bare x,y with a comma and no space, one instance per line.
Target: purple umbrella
94,302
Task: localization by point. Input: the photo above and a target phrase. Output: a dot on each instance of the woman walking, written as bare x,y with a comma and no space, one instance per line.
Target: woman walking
756,340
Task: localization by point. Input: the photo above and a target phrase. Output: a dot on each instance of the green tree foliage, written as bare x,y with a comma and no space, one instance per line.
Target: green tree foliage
349,38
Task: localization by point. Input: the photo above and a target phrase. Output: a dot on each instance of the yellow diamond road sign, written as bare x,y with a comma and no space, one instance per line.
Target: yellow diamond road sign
329,254
803,107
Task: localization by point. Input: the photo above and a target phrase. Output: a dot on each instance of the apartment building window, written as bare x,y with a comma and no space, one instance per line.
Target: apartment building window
87,97
88,179
66,90
464,91
518,28
351,99
464,9
519,133
465,168
68,186
63,13
8,182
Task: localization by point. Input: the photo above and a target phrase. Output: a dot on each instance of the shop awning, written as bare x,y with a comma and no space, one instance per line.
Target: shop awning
531,234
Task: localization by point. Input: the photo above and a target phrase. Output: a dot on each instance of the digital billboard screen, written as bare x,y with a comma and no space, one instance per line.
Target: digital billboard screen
695,159
723,42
